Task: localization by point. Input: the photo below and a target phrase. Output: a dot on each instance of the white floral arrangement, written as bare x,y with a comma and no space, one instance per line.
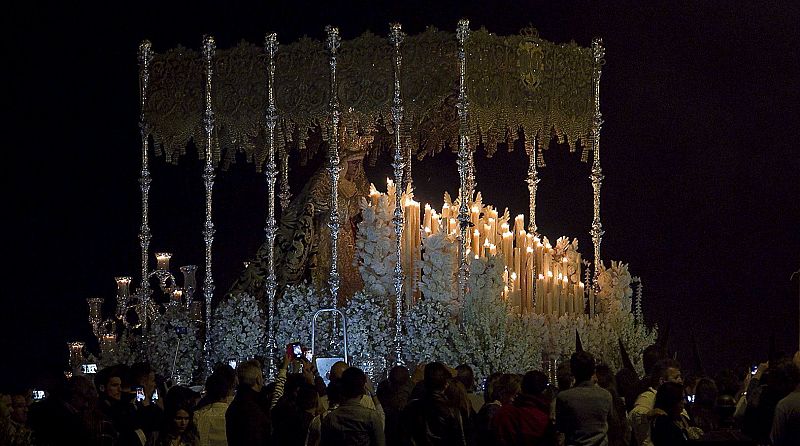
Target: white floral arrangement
376,254
239,331
370,332
428,333
126,351
295,312
174,339
439,267
492,336
615,288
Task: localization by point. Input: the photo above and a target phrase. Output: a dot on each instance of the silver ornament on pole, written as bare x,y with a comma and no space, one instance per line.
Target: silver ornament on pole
597,173
145,57
271,45
208,178
333,42
396,38
464,163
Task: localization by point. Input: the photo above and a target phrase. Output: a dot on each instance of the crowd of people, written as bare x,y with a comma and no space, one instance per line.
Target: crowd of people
589,404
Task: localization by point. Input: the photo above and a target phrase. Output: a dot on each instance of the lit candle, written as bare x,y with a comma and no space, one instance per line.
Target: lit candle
435,223
95,308
427,221
475,215
162,260
176,296
476,244
492,231
508,248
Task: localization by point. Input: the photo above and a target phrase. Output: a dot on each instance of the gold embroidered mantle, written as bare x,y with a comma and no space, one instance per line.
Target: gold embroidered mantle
513,83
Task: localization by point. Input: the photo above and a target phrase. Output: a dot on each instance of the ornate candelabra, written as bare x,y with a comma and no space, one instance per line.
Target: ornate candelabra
143,304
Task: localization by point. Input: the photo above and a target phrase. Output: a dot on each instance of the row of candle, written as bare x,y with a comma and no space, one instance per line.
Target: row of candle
539,277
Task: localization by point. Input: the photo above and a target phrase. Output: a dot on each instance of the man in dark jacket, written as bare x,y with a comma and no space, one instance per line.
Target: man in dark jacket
247,420
431,420
527,419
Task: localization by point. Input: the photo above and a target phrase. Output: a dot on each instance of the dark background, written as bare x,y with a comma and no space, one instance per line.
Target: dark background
699,151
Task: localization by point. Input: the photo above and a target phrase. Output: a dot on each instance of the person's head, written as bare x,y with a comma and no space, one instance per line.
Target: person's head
650,356
180,396
228,373
507,388
705,393
465,376
337,369
669,398
178,419
80,393
436,377
666,370
456,395
564,377
142,374
19,407
307,398
218,388
582,366
109,382
534,383
250,375
419,373
488,388
605,378
399,376
353,382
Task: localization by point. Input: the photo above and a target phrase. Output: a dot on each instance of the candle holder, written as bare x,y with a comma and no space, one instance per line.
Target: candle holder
75,349
143,304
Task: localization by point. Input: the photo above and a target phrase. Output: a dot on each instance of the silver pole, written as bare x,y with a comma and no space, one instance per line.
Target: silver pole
208,177
396,38
271,44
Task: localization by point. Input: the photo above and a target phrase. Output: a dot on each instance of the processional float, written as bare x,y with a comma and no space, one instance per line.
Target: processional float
413,96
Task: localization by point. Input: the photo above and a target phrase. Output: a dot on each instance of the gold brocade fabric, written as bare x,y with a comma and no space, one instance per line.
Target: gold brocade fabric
513,82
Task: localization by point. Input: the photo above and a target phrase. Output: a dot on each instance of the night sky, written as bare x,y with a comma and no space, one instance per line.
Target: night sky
702,174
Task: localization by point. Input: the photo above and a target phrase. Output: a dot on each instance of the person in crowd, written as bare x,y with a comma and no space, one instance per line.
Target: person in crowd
179,428
148,415
619,429
457,396
526,421
418,382
786,421
503,387
310,429
394,393
627,384
225,372
63,415
210,419
583,411
432,420
351,423
650,357
564,378
766,389
668,427
288,419
247,421
703,408
466,376
665,370
19,416
14,429
333,396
